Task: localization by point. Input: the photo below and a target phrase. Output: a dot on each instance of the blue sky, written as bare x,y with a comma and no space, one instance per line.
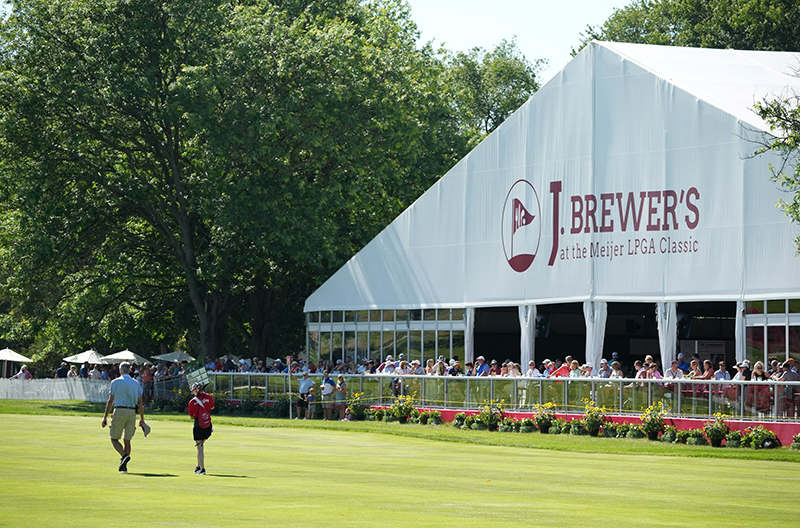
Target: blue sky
545,29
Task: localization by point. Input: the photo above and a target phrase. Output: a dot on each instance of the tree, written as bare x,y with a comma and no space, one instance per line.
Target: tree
740,24
782,114
160,154
490,86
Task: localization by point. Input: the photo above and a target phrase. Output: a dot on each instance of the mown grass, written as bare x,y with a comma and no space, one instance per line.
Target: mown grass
57,468
443,433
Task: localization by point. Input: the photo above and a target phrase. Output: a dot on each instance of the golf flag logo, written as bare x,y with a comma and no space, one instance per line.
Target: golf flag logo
521,226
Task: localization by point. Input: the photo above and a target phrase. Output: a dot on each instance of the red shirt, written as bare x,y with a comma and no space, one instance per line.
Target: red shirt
195,408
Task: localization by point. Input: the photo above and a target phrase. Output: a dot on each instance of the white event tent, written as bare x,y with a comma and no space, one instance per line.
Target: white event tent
630,177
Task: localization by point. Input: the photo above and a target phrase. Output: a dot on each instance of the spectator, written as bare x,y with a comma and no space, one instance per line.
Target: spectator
147,383
469,368
563,370
722,374
682,364
210,365
503,370
73,372
481,368
605,370
62,371
305,383
23,373
104,372
230,366
549,368
327,386
95,373
389,361
694,370
311,400
616,370
674,371
514,370
416,368
457,370
340,396
653,372
84,371
532,371
574,369
758,372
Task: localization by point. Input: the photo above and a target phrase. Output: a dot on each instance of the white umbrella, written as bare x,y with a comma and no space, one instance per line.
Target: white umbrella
90,355
9,355
174,357
125,355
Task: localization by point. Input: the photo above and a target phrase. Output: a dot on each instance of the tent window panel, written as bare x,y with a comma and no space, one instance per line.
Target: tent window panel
755,344
794,343
336,346
362,346
389,338
349,346
428,345
401,343
415,315
776,342
414,346
324,347
313,347
337,316
776,307
444,344
429,315
388,315
458,314
375,315
754,307
401,315
362,316
313,317
794,305
325,317
458,344
443,314
349,316
375,351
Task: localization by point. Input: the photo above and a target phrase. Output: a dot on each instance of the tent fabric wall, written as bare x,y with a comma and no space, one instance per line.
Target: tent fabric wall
667,319
469,335
741,332
527,326
628,177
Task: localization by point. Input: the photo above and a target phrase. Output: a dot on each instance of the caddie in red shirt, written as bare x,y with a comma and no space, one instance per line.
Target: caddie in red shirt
200,409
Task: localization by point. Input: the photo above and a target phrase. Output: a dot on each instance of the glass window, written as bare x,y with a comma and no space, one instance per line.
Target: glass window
794,343
362,316
776,307
443,314
388,345
362,346
349,316
349,346
313,317
313,347
325,346
337,316
458,345
415,346
794,305
415,315
325,317
429,315
375,315
375,351
443,339
458,314
755,344
401,315
336,346
400,342
776,342
428,345
388,315
754,307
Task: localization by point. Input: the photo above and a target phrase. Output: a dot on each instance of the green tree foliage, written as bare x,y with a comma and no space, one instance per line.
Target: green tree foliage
739,24
172,163
490,86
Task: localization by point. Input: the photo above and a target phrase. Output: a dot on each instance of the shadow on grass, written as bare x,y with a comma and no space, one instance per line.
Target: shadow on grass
153,474
77,407
228,476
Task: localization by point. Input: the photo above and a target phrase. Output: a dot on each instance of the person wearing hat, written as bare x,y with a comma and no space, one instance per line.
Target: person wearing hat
683,365
605,370
305,383
481,368
125,397
532,371
62,371
200,407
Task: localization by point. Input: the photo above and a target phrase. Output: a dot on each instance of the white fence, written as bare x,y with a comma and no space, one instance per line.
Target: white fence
55,389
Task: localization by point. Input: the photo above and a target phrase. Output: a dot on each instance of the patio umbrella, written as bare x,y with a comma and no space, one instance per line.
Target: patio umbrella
125,355
174,357
90,355
9,355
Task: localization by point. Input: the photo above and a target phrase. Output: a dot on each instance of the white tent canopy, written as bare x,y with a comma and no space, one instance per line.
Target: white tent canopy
174,357
90,355
125,355
629,177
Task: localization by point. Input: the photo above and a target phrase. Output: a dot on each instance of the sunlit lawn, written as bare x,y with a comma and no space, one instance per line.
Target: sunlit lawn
58,470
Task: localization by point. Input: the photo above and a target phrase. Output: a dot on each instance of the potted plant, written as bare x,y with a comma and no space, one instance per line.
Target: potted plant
760,438
459,419
468,421
355,406
795,442
593,417
490,415
609,430
506,426
716,430
578,428
544,417
696,437
635,431
653,420
402,407
526,425
734,439
435,418
670,434
622,430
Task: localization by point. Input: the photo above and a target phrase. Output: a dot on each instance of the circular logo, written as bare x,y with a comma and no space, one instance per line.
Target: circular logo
521,226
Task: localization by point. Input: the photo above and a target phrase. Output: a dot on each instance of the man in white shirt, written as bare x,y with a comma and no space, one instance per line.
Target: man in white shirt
532,372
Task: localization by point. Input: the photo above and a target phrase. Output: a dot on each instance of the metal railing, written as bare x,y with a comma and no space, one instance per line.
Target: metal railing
683,397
